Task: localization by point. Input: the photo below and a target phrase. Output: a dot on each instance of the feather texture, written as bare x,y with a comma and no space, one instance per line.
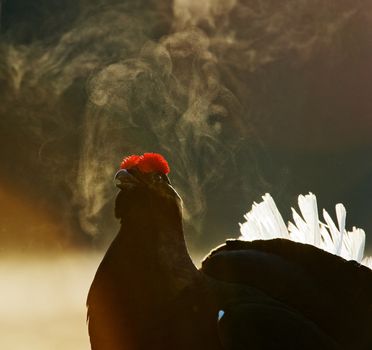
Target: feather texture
264,221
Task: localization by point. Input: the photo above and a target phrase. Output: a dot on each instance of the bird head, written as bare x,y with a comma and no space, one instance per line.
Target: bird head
143,181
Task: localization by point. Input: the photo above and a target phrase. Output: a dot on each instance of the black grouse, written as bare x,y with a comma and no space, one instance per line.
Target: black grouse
273,294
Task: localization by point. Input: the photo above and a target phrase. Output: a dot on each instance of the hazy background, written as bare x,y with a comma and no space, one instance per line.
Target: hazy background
242,98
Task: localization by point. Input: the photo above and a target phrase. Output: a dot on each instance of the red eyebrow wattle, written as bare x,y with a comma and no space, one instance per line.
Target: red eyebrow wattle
146,163
130,162
153,162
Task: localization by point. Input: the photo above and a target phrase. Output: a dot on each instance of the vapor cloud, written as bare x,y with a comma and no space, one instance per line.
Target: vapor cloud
231,92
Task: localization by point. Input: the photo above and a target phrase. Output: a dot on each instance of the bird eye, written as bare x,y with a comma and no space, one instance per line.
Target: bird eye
157,178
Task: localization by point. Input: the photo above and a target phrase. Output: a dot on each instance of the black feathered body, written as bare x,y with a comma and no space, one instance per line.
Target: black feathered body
265,295
333,293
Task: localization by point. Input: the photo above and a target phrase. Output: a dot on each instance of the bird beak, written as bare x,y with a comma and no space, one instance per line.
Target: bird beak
123,179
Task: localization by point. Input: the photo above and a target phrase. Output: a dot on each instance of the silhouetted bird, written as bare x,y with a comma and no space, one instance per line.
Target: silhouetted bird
273,294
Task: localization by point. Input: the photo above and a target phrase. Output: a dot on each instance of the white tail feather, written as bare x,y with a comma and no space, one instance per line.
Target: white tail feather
367,261
264,221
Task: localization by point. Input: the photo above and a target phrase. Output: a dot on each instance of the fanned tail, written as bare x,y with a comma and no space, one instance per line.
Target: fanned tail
367,261
264,221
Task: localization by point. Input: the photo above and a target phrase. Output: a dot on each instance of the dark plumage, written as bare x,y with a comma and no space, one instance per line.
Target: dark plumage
277,294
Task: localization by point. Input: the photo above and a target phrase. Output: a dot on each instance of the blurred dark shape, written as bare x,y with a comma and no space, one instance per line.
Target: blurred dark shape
1,12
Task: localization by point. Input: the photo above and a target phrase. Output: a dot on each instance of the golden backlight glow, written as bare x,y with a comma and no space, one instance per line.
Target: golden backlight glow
27,223
43,301
44,280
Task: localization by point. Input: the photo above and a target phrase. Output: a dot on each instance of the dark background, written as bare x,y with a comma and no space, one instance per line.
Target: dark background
242,98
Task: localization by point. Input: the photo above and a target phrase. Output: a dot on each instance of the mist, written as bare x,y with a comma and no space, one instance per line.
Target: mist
241,97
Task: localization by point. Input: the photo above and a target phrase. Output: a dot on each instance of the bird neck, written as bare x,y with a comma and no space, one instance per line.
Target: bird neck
154,243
